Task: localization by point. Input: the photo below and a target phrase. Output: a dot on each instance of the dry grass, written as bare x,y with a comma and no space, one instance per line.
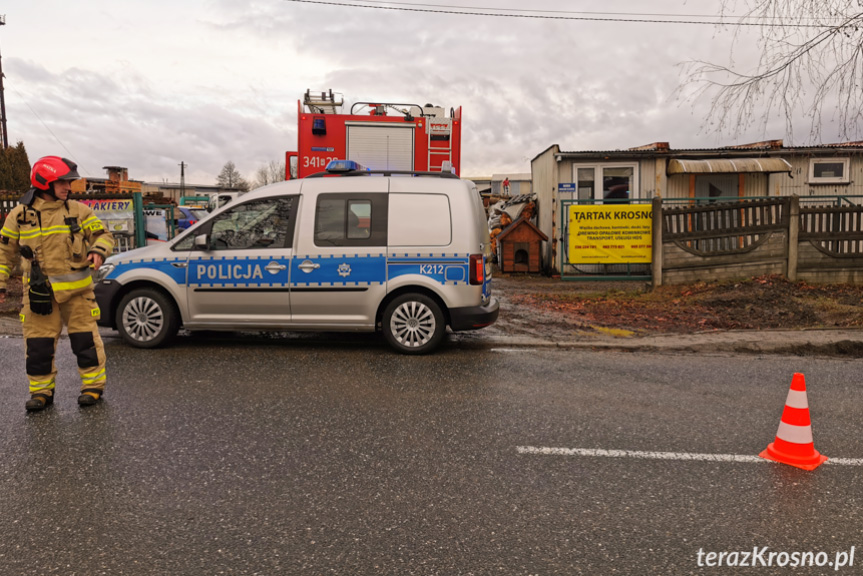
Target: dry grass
767,302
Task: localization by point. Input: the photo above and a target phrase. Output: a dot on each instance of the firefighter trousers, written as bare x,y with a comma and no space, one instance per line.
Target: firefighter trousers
41,332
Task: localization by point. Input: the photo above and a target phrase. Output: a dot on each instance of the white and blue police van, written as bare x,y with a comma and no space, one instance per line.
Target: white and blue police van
403,253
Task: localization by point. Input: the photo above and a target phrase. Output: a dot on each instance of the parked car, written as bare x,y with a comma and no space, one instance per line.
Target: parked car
220,199
405,257
187,217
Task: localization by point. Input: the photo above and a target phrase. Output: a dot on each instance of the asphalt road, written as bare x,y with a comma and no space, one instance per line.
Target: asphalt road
313,456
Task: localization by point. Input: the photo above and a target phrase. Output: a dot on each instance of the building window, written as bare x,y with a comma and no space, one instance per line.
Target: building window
585,181
828,171
611,183
617,184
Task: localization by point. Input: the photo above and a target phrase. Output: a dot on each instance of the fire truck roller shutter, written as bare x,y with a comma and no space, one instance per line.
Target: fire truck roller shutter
382,147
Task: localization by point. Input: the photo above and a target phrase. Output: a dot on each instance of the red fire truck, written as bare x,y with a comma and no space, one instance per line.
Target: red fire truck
378,135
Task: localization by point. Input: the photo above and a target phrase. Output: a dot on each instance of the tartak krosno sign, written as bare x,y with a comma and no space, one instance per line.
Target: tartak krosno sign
619,234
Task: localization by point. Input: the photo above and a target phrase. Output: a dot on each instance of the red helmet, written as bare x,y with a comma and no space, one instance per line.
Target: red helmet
50,169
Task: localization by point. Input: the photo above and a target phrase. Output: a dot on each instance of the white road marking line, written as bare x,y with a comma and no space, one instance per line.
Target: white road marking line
845,461
513,350
545,451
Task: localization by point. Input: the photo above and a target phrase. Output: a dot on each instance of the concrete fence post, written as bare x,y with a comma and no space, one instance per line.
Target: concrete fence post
656,258
793,236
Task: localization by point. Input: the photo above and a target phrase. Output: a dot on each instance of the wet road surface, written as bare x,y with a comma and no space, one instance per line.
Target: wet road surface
336,456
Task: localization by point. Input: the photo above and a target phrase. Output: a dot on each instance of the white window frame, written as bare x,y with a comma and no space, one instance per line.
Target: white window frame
844,179
634,192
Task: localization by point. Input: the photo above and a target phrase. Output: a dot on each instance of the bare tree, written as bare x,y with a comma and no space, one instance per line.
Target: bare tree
272,172
229,177
810,62
262,178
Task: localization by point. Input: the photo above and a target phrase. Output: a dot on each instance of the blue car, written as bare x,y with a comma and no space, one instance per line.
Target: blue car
187,217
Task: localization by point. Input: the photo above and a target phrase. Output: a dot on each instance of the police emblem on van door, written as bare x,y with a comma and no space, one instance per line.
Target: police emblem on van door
345,270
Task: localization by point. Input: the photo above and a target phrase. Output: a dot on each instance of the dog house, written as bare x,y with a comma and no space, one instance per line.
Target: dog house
519,247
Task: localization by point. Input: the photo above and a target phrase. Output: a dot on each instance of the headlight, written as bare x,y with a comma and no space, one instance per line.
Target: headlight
104,270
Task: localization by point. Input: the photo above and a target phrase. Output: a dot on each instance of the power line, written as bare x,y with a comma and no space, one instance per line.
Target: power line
522,10
68,152
545,14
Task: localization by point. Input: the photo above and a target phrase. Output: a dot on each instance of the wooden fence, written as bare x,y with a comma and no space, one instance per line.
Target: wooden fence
836,231
732,228
746,238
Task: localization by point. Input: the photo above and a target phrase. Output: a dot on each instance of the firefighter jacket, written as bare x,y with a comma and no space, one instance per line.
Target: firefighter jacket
61,234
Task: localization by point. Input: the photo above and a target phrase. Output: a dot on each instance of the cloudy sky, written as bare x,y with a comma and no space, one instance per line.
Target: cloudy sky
147,84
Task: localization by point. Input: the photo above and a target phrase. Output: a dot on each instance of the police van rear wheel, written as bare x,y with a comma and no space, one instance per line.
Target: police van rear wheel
413,324
146,318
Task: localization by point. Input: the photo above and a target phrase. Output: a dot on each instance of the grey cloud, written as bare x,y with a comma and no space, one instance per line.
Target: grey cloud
102,124
523,85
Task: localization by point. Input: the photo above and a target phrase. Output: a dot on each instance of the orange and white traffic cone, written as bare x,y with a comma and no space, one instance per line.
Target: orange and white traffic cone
794,445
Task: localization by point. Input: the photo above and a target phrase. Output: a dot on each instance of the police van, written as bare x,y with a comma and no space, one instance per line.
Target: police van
402,253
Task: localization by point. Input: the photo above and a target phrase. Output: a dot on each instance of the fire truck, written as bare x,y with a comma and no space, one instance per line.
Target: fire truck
378,135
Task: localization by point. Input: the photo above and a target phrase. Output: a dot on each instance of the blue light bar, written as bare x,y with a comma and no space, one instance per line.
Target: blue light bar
344,166
319,126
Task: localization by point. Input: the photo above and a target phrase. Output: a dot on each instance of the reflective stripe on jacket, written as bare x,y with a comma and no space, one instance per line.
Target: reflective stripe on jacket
61,234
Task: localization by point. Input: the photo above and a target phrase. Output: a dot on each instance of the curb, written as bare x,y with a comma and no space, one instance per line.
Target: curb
815,342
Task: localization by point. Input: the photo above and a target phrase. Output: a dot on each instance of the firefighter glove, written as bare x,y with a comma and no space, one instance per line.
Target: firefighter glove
40,298
40,292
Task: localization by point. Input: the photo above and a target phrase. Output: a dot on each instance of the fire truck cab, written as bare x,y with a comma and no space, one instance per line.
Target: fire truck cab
378,135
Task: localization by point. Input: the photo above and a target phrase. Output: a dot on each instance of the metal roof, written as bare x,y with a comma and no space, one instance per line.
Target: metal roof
727,165
771,147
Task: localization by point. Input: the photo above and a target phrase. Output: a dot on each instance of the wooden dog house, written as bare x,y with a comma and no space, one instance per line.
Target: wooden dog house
519,247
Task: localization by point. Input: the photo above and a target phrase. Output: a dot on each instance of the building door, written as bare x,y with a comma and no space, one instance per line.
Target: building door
717,187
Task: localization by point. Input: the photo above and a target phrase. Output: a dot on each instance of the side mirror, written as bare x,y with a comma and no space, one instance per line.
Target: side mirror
202,242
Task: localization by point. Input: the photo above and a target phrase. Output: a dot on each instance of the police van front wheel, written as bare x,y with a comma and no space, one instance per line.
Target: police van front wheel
413,324
146,318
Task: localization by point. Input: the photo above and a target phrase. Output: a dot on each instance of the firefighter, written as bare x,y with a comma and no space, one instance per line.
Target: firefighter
58,242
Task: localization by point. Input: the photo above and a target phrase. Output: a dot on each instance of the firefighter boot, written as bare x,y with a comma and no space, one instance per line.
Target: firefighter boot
90,396
39,402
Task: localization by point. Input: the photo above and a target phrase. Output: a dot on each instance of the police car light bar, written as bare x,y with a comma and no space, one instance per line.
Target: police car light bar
336,166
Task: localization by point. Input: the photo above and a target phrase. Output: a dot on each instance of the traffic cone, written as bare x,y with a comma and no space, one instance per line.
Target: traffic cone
794,445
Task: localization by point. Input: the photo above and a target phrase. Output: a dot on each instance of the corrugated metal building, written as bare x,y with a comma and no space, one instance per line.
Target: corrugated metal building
759,169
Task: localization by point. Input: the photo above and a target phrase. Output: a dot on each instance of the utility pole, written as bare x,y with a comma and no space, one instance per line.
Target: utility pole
182,179
3,96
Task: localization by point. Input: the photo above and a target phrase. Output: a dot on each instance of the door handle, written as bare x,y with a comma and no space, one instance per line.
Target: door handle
274,267
307,266
178,264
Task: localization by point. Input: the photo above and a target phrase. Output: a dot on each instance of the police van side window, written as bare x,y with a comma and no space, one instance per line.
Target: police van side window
260,224
351,220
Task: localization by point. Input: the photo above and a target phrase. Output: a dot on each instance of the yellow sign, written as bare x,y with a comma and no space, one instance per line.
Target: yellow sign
621,234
